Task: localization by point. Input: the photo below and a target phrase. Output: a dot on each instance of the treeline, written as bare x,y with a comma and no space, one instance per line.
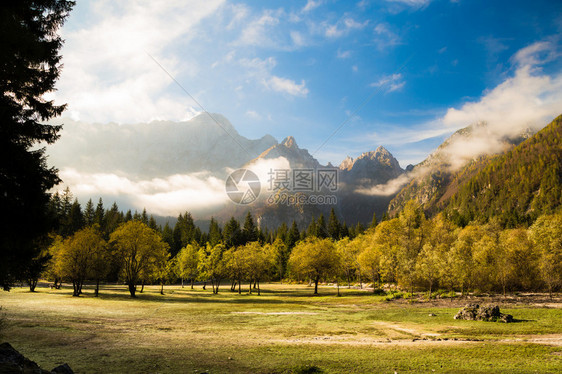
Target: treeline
408,252
516,187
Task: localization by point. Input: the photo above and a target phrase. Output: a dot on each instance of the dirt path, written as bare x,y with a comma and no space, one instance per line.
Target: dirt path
552,340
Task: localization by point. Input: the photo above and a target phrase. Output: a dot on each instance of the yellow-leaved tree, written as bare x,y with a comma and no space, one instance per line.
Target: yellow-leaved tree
139,249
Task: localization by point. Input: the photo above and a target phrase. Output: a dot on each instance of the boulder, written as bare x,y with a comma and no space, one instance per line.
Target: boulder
11,361
489,313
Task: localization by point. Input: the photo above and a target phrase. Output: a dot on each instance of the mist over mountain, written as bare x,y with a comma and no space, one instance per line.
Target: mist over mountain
172,167
437,178
156,149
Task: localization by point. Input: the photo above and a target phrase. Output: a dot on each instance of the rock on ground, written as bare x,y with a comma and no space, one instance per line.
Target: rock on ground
490,313
11,361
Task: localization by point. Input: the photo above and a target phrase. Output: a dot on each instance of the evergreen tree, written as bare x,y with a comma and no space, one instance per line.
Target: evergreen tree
293,236
321,229
215,235
232,234
334,227
168,237
250,231
75,219
113,218
345,231
99,214
312,230
374,221
89,213
282,232
29,68
152,223
144,217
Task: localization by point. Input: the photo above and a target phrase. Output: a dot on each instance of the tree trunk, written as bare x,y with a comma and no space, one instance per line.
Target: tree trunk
133,289
96,292
205,285
142,286
181,282
32,284
316,285
360,281
192,283
217,286
250,287
161,286
75,291
258,288
338,286
239,286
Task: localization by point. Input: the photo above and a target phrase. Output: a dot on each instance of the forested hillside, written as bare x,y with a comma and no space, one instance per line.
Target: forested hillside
517,186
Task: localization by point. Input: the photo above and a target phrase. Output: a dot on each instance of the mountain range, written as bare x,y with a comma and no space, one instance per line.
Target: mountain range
512,177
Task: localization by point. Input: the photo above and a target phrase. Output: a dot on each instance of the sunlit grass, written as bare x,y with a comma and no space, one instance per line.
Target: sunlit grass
193,331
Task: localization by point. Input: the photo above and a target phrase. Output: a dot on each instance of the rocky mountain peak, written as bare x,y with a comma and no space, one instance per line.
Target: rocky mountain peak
289,142
347,163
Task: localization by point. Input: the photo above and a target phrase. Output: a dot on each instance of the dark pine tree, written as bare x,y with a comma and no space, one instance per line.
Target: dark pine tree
89,213
29,68
293,236
321,229
215,235
334,227
99,214
232,234
249,231
374,221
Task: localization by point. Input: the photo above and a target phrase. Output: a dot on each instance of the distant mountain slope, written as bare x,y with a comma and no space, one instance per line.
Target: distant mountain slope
367,171
439,176
288,148
517,186
156,149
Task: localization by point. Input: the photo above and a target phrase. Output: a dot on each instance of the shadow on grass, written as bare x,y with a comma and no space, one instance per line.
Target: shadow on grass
186,295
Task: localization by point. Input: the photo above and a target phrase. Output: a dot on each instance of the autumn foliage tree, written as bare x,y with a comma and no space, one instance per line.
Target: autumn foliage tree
139,248
316,259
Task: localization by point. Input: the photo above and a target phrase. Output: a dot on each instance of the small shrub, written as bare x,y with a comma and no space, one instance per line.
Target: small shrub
394,296
379,292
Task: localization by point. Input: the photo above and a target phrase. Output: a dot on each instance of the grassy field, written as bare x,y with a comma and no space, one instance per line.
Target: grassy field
283,330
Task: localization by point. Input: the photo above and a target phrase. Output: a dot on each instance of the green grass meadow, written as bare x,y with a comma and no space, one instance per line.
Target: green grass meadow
284,330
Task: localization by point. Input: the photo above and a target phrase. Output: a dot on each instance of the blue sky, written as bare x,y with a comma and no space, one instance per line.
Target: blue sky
413,71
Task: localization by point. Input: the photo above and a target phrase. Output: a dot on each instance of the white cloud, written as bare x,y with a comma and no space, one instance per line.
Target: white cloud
197,192
529,99
391,83
310,5
343,54
385,37
343,27
287,86
107,72
298,39
253,115
386,189
525,100
411,3
258,32
536,54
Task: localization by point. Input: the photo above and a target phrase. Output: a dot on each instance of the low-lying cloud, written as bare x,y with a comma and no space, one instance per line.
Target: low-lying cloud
197,192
